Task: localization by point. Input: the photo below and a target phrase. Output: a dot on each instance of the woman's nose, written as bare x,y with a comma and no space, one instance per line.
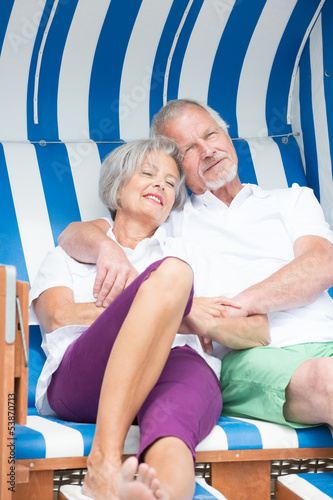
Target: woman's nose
159,183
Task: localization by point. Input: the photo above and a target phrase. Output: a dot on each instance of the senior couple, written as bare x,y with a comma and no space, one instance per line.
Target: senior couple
125,300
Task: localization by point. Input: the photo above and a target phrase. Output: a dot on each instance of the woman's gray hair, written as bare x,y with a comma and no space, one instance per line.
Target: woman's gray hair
173,109
120,165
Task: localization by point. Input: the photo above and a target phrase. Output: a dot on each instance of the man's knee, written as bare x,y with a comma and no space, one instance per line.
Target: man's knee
324,375
314,375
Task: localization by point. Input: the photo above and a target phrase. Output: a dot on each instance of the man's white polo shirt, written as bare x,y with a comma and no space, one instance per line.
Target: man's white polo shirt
232,248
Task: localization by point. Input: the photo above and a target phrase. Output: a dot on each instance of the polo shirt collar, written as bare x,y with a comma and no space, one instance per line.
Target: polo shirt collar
159,237
208,198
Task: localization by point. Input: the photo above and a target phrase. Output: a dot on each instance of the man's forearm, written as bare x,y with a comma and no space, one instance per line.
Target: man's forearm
87,242
295,285
83,240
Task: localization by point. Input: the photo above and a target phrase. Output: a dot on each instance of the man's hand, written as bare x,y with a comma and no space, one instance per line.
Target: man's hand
114,274
87,242
210,319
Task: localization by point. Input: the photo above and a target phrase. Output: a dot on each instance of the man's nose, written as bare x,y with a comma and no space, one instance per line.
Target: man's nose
206,149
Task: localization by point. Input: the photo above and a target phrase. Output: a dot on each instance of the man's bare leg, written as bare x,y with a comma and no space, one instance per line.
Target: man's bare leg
135,363
309,394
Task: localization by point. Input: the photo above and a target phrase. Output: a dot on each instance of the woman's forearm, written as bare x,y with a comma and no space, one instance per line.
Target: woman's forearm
55,308
76,314
210,320
240,332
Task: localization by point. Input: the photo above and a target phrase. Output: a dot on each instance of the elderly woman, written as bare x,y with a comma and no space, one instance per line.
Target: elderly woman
112,365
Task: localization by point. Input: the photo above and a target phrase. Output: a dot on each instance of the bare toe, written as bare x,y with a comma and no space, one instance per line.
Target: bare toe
143,486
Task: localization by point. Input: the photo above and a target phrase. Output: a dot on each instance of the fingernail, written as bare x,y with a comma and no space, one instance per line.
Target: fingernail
98,303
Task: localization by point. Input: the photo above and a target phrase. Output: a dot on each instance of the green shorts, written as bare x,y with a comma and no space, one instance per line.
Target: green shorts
253,381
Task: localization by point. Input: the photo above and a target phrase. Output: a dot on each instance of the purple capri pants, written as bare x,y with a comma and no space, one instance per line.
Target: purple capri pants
185,402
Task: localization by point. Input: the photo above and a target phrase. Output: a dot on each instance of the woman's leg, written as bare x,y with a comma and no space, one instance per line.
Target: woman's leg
173,462
177,415
134,365
172,476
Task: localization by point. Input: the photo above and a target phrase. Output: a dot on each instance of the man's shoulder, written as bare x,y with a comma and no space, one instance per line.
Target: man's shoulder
291,192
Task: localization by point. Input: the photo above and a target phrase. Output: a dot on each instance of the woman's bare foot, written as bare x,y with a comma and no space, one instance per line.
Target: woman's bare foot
102,479
145,486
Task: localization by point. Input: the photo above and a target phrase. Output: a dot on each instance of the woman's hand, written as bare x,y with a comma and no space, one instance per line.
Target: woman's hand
200,320
210,319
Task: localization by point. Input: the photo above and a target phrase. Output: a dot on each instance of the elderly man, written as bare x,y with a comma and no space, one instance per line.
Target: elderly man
283,249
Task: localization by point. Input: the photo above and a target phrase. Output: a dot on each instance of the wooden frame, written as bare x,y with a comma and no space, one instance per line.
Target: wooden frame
13,375
238,474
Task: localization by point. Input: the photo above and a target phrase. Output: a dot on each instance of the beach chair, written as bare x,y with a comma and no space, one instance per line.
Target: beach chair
78,78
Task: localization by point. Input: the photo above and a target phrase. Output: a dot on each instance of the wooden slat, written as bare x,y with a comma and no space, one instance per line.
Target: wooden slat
22,474
258,455
242,480
283,493
41,464
40,487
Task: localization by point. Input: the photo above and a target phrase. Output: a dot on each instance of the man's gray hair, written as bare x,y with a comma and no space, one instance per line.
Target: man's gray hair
120,165
173,109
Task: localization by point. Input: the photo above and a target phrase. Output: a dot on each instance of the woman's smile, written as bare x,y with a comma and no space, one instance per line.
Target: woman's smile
155,197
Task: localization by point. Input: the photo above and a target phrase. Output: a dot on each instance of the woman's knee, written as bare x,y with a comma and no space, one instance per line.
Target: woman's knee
175,272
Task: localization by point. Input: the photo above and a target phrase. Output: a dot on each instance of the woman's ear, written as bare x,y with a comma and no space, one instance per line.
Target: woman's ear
118,199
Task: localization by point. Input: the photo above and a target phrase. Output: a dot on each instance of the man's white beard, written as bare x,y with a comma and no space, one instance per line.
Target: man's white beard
222,179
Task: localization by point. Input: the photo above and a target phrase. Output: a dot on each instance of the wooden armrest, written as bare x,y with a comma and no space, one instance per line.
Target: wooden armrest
21,352
13,369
